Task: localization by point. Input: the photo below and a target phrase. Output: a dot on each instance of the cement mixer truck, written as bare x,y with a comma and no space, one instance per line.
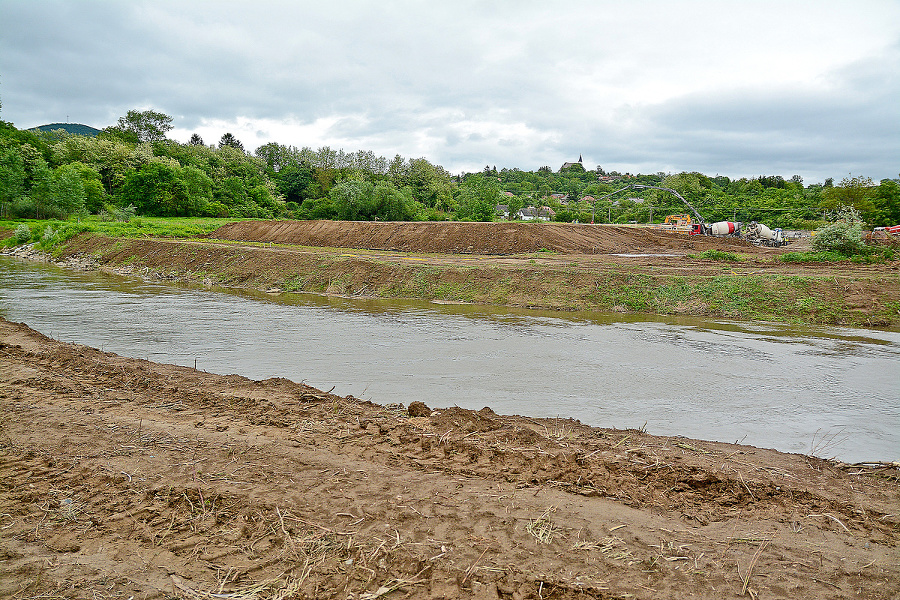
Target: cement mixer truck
718,229
760,235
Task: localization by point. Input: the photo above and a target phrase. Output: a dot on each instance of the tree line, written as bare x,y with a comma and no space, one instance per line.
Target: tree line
132,168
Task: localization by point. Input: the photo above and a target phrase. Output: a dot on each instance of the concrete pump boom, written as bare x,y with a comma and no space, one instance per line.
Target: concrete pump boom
640,186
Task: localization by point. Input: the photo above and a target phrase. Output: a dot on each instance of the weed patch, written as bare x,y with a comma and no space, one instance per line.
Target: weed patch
135,228
868,255
719,255
812,256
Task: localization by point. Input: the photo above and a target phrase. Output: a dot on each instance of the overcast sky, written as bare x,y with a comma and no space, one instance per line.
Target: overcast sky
737,88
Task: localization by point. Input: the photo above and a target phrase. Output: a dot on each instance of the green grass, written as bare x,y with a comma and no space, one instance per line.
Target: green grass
61,231
717,255
812,256
458,292
786,298
873,254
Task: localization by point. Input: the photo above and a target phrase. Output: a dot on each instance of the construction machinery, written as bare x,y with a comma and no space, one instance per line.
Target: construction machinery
760,235
720,229
678,220
884,235
696,227
676,223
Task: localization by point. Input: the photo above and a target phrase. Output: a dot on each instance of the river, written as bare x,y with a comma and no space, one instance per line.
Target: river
831,392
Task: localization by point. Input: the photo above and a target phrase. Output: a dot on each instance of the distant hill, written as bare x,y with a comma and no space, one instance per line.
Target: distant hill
76,128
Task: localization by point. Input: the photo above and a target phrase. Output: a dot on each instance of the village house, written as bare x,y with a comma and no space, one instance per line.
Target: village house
530,213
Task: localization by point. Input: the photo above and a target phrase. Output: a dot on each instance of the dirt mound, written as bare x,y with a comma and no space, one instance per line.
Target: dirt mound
472,238
125,478
637,280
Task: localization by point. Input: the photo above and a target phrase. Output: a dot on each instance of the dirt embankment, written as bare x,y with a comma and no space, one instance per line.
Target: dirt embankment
122,478
583,267
472,238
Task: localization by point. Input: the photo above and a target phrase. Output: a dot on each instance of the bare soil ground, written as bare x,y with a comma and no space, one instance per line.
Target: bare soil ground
122,478
591,247
474,238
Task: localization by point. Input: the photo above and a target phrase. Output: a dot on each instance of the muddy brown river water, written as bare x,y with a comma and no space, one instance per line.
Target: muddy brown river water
831,392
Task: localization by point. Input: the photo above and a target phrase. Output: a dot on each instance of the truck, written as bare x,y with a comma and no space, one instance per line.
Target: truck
718,229
760,235
884,235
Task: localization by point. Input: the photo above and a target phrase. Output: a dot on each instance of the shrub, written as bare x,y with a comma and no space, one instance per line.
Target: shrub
22,234
845,235
868,256
215,209
115,213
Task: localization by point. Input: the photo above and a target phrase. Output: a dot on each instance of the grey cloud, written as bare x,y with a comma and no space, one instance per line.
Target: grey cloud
394,73
852,125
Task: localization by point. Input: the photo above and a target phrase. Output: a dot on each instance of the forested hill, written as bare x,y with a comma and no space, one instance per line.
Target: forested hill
76,128
132,168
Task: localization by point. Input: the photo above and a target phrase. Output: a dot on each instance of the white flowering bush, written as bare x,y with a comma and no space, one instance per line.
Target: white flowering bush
845,235
22,234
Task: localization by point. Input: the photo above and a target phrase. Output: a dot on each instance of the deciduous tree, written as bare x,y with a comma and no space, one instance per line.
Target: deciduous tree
93,187
146,125
887,203
12,178
477,198
156,190
855,192
296,183
277,156
352,200
66,191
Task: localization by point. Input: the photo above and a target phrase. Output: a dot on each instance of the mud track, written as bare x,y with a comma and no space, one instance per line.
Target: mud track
122,478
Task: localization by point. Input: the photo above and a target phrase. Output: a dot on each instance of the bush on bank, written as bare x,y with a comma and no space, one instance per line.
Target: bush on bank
49,233
844,235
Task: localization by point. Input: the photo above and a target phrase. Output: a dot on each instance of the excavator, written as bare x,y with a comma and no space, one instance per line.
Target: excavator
676,223
678,220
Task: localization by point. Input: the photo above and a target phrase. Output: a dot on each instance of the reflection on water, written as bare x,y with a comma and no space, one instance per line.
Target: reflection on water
767,385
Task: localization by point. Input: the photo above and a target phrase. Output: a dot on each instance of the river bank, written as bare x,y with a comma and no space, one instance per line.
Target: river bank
613,269
132,478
